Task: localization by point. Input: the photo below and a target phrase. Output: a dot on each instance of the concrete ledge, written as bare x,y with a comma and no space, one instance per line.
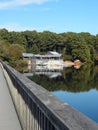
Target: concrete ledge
61,116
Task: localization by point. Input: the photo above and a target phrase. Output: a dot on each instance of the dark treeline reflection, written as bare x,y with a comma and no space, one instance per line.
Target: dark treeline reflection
71,80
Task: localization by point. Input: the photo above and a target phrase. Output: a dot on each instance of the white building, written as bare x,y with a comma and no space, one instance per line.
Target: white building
51,61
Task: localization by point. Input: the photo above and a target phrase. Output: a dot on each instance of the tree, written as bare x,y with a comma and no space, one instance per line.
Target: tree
4,50
89,39
4,34
35,49
15,52
82,52
19,65
31,37
17,38
48,41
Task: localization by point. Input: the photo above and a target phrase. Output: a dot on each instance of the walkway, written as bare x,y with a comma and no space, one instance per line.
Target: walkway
8,116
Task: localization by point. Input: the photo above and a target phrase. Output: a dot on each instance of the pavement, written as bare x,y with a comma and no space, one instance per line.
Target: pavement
8,115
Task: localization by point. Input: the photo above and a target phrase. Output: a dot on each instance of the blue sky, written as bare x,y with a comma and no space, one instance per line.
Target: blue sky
53,15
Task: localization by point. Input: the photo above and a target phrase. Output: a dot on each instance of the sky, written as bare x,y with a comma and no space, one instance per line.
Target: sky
50,15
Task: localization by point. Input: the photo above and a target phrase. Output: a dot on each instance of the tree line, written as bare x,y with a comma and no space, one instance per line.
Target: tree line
71,45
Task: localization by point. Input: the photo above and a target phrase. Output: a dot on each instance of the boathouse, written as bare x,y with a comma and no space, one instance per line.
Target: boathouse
51,60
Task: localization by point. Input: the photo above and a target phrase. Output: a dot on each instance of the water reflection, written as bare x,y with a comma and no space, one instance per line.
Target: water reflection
69,79
77,87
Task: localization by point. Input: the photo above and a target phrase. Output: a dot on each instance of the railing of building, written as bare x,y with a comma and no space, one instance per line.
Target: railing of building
38,109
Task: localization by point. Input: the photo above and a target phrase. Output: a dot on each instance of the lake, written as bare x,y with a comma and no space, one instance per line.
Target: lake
77,87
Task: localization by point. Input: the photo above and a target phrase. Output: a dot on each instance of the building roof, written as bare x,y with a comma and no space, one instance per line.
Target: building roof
54,53
27,55
49,54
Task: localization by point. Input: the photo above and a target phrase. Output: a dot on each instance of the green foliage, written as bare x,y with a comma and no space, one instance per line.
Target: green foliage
82,52
83,46
4,50
17,38
31,39
13,55
20,65
15,51
47,40
35,49
4,34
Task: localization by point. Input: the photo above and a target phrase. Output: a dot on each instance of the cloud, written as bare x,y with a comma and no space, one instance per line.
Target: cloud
14,3
18,28
10,27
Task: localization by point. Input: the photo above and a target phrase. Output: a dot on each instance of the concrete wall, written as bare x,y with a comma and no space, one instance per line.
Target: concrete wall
40,110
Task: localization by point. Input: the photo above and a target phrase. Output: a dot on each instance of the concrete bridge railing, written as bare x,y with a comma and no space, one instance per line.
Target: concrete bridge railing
38,109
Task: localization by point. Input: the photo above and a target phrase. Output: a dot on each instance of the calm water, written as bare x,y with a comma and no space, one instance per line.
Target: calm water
79,88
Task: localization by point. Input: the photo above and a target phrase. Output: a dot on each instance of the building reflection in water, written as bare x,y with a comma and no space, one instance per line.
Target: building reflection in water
42,70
